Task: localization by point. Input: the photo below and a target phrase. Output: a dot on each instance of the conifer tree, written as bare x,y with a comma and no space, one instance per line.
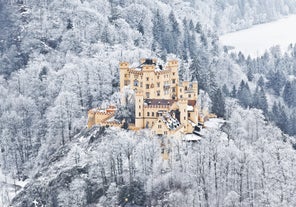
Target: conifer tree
233,92
260,82
218,101
244,94
225,90
289,93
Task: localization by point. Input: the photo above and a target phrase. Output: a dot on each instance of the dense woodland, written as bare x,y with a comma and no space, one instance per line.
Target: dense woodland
60,58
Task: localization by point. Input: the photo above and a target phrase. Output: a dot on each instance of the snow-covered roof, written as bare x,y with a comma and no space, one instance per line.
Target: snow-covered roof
189,108
171,122
191,137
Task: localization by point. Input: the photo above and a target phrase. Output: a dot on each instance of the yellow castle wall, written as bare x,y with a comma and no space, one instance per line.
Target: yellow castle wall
154,84
151,114
149,83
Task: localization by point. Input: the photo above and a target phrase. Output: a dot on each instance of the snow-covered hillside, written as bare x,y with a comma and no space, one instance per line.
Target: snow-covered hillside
260,38
60,58
247,163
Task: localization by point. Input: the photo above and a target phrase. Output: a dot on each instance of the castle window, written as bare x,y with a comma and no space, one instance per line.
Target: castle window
181,96
152,113
158,84
125,75
174,80
147,86
165,132
188,114
148,114
136,83
159,126
141,84
139,113
158,93
174,89
184,117
189,95
139,106
173,73
126,82
185,88
147,79
147,94
157,77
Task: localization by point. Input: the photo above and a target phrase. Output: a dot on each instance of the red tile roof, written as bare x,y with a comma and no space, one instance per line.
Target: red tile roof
191,102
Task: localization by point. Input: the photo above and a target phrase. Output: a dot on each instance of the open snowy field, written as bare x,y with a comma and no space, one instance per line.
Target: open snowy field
257,39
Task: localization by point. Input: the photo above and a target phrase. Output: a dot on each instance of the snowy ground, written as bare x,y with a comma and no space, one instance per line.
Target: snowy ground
257,39
8,189
211,124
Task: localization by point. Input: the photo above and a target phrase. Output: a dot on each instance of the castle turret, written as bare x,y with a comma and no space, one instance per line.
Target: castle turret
195,89
124,75
183,113
139,110
173,65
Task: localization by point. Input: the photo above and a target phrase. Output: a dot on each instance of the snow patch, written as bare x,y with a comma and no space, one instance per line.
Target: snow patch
257,39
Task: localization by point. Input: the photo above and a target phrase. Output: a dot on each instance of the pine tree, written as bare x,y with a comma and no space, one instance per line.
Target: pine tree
260,100
158,29
244,94
218,101
225,90
276,81
279,116
250,75
289,93
260,82
198,27
292,124
233,93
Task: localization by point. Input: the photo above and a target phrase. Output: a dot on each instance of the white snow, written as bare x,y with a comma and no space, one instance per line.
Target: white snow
189,108
257,39
9,188
191,137
214,123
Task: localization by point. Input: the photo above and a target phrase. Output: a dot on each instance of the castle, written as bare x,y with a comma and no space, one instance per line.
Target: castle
162,103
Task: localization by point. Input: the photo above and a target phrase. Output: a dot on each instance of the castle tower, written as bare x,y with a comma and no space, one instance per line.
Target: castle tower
139,110
173,65
195,89
124,75
183,113
124,79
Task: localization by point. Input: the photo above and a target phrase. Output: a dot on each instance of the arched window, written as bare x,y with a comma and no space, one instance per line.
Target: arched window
136,83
